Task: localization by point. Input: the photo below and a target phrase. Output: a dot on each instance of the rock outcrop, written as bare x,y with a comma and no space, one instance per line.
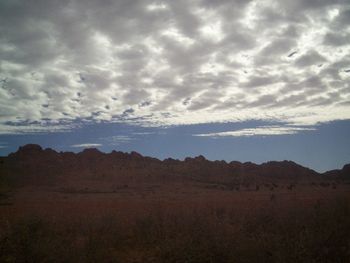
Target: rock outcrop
33,165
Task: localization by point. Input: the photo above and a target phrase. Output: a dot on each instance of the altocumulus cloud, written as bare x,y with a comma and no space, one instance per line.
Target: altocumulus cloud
172,62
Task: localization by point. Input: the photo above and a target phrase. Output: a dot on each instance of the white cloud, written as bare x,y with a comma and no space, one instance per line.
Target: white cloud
173,62
156,7
86,145
117,139
259,131
35,128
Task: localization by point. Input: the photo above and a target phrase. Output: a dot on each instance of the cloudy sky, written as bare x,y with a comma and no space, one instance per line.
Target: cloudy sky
216,72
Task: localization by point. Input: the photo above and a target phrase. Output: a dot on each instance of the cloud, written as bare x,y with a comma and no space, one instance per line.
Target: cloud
86,145
259,131
309,59
143,133
336,39
227,60
117,139
279,46
35,128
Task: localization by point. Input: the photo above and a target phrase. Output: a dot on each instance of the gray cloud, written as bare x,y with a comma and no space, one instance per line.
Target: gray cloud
301,6
336,39
279,46
264,100
257,81
172,62
309,59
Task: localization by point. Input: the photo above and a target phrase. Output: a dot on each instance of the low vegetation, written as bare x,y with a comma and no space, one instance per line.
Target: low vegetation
320,234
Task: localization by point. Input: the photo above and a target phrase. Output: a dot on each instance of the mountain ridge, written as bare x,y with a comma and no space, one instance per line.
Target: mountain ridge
31,164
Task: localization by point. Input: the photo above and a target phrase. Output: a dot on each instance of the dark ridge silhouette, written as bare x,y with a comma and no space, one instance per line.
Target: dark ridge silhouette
343,173
32,164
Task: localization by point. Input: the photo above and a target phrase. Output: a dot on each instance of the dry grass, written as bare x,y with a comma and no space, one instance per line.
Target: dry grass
214,234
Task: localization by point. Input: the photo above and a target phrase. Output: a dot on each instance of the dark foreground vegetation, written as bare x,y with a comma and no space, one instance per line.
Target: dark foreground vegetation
124,207
317,234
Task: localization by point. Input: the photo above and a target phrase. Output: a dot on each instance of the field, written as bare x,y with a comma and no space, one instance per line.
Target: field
176,222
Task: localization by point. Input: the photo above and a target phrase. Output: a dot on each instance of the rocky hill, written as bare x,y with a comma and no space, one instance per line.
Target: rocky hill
32,165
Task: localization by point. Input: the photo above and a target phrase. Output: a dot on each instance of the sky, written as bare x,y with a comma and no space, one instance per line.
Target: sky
235,80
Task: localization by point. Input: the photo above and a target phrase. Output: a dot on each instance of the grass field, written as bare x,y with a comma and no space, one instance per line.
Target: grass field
176,223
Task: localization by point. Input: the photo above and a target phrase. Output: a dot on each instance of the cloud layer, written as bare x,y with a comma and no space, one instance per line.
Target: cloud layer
259,131
173,62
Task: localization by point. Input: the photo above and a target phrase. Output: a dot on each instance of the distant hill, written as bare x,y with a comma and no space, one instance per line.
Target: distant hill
32,165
